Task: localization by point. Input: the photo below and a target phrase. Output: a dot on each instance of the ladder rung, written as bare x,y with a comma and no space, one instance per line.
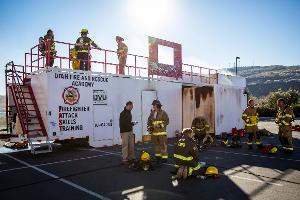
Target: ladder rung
34,130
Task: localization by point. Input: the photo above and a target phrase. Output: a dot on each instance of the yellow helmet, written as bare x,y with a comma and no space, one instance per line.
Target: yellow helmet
211,171
84,30
145,156
273,150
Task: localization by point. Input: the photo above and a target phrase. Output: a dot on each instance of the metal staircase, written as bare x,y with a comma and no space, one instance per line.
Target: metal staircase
19,84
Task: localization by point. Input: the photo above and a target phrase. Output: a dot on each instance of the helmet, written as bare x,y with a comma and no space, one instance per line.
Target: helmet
273,150
145,156
156,102
119,38
211,171
84,30
49,31
186,131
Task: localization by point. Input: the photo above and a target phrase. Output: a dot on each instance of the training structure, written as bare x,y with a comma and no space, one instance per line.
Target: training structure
60,103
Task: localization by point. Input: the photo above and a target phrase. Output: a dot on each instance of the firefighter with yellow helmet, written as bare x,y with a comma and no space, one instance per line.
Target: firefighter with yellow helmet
158,121
83,46
250,117
284,119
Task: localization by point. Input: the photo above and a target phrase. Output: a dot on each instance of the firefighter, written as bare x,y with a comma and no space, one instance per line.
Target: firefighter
200,128
250,117
83,46
186,155
158,121
122,53
48,48
284,119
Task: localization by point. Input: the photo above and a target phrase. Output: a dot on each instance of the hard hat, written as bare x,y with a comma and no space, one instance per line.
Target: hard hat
156,102
273,150
49,31
119,38
145,156
211,171
84,30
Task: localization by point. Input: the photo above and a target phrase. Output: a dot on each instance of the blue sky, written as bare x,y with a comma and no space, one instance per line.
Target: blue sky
212,32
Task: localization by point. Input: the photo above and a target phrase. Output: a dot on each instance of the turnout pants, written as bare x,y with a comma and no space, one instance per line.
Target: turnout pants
127,146
122,63
160,146
83,57
285,137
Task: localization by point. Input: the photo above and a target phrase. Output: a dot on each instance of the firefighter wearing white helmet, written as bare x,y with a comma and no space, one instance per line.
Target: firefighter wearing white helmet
250,117
158,121
83,46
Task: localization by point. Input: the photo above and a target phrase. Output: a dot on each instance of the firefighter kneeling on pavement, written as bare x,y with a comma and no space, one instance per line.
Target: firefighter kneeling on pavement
186,155
200,128
250,117
157,126
284,119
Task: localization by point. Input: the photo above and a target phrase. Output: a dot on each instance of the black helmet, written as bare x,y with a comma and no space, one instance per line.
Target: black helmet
156,102
49,31
119,38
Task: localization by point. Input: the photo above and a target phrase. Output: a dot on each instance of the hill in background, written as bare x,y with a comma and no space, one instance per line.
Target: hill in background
261,80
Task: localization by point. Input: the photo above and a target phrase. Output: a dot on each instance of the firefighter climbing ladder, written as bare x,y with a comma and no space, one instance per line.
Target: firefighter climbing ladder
19,85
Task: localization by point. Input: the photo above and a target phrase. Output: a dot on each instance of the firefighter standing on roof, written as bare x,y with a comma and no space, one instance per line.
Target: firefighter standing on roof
122,53
284,120
49,47
83,46
157,126
186,155
200,128
250,117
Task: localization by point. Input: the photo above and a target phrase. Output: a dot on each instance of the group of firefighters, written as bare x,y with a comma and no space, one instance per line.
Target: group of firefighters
80,54
186,150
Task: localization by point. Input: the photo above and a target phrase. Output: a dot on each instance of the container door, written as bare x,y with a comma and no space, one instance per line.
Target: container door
103,124
147,98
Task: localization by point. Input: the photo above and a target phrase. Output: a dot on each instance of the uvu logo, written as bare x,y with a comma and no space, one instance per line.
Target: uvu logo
99,97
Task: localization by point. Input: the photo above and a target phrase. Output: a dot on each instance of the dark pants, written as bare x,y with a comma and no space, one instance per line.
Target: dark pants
122,63
50,60
84,61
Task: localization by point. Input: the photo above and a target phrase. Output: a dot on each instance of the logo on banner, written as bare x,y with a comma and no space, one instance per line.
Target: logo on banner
71,95
99,97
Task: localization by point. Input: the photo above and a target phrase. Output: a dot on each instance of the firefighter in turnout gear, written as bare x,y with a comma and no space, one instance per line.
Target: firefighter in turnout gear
158,121
200,128
284,119
47,47
122,53
186,155
250,117
83,47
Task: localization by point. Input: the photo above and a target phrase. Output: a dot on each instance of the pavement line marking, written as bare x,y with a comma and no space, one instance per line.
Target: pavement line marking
253,180
52,163
58,178
254,155
249,179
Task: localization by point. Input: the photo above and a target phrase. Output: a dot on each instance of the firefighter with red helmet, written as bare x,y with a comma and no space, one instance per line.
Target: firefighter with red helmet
83,46
158,121
284,119
122,53
250,117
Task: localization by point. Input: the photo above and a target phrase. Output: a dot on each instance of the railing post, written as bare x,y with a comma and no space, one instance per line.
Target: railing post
105,61
69,56
6,97
135,65
201,74
192,73
31,60
209,76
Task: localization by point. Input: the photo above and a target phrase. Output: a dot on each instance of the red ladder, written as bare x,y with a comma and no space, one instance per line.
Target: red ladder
18,83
